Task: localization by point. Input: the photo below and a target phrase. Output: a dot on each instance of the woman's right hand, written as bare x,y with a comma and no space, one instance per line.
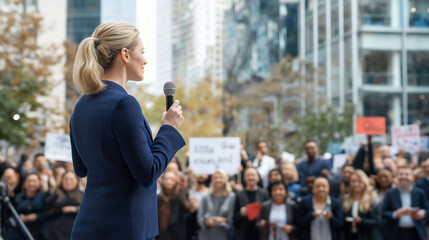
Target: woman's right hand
173,116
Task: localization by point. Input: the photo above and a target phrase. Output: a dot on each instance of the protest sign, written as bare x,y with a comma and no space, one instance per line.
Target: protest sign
407,138
58,147
371,125
335,147
253,210
339,161
206,155
424,144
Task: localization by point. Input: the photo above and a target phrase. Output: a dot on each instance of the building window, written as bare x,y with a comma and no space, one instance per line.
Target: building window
418,68
419,13
376,13
381,68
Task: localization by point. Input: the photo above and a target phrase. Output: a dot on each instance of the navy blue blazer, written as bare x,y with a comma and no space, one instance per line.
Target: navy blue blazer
305,213
392,202
112,145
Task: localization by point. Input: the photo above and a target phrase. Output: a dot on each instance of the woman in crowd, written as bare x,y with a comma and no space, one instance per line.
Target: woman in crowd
215,215
66,205
172,209
320,216
30,205
275,175
291,178
361,210
384,183
278,216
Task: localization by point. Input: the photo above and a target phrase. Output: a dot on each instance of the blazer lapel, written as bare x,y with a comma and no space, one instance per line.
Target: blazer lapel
398,197
414,199
289,214
146,124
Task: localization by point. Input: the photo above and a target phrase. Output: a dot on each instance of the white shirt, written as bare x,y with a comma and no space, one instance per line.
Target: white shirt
406,221
278,217
267,164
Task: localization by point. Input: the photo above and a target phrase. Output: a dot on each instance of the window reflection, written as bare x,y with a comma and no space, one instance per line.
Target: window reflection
376,13
419,13
418,68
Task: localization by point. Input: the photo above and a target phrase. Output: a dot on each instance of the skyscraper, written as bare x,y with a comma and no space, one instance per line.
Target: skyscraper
190,40
83,16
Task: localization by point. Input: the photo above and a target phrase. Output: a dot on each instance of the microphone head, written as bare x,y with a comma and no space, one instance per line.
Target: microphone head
169,89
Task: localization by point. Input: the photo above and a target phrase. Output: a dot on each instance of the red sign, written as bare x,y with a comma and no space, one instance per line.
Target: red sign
253,210
371,125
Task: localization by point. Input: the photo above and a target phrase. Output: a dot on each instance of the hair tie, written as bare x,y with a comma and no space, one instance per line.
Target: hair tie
97,41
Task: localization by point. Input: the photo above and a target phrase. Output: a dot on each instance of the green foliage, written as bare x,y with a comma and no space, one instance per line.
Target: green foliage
324,127
25,71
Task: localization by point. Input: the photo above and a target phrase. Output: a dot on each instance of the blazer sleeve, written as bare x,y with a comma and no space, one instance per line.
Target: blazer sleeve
146,160
387,207
337,216
374,220
78,165
305,214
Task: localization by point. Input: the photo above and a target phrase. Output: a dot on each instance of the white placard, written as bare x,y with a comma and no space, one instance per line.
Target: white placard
351,147
288,157
58,147
339,161
406,138
424,144
206,155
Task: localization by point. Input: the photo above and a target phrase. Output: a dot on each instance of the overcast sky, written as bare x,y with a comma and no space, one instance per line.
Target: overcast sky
146,23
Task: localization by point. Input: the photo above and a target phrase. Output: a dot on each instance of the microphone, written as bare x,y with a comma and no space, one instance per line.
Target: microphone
169,90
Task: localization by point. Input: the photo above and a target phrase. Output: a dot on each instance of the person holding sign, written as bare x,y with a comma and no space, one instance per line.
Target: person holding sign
112,142
216,212
248,205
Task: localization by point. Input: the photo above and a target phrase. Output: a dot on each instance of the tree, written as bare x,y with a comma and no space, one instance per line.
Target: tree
326,126
201,105
25,71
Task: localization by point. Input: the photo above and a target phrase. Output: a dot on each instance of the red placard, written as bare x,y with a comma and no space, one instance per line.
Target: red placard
253,210
371,125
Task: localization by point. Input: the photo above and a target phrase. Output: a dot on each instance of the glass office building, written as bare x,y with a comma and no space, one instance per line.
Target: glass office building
83,16
373,54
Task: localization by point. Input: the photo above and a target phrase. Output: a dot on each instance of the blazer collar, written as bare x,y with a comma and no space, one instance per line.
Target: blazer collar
114,86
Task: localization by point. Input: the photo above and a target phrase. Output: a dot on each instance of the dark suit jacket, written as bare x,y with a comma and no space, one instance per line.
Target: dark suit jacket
369,227
112,145
305,213
291,209
423,184
242,224
392,201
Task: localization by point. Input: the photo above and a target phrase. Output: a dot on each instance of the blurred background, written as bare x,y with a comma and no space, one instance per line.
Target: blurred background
279,70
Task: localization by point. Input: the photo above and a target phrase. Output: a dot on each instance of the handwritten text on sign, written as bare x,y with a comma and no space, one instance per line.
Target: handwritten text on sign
206,155
58,147
406,138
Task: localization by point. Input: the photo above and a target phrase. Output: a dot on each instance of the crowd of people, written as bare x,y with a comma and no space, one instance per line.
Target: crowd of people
373,196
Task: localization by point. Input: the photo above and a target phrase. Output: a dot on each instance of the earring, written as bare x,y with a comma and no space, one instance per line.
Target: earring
128,63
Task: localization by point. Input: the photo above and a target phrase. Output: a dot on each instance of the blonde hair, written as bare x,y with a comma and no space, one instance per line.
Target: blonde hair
368,197
227,190
96,53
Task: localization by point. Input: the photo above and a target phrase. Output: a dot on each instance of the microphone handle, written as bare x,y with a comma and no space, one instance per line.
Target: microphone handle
169,102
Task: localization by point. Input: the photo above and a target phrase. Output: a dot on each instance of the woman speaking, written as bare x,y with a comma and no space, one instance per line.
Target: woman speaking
111,141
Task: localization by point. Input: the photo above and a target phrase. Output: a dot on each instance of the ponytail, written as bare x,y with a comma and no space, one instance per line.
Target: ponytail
96,53
87,71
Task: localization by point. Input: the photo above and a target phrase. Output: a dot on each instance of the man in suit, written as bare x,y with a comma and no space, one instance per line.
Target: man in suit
404,209
423,184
